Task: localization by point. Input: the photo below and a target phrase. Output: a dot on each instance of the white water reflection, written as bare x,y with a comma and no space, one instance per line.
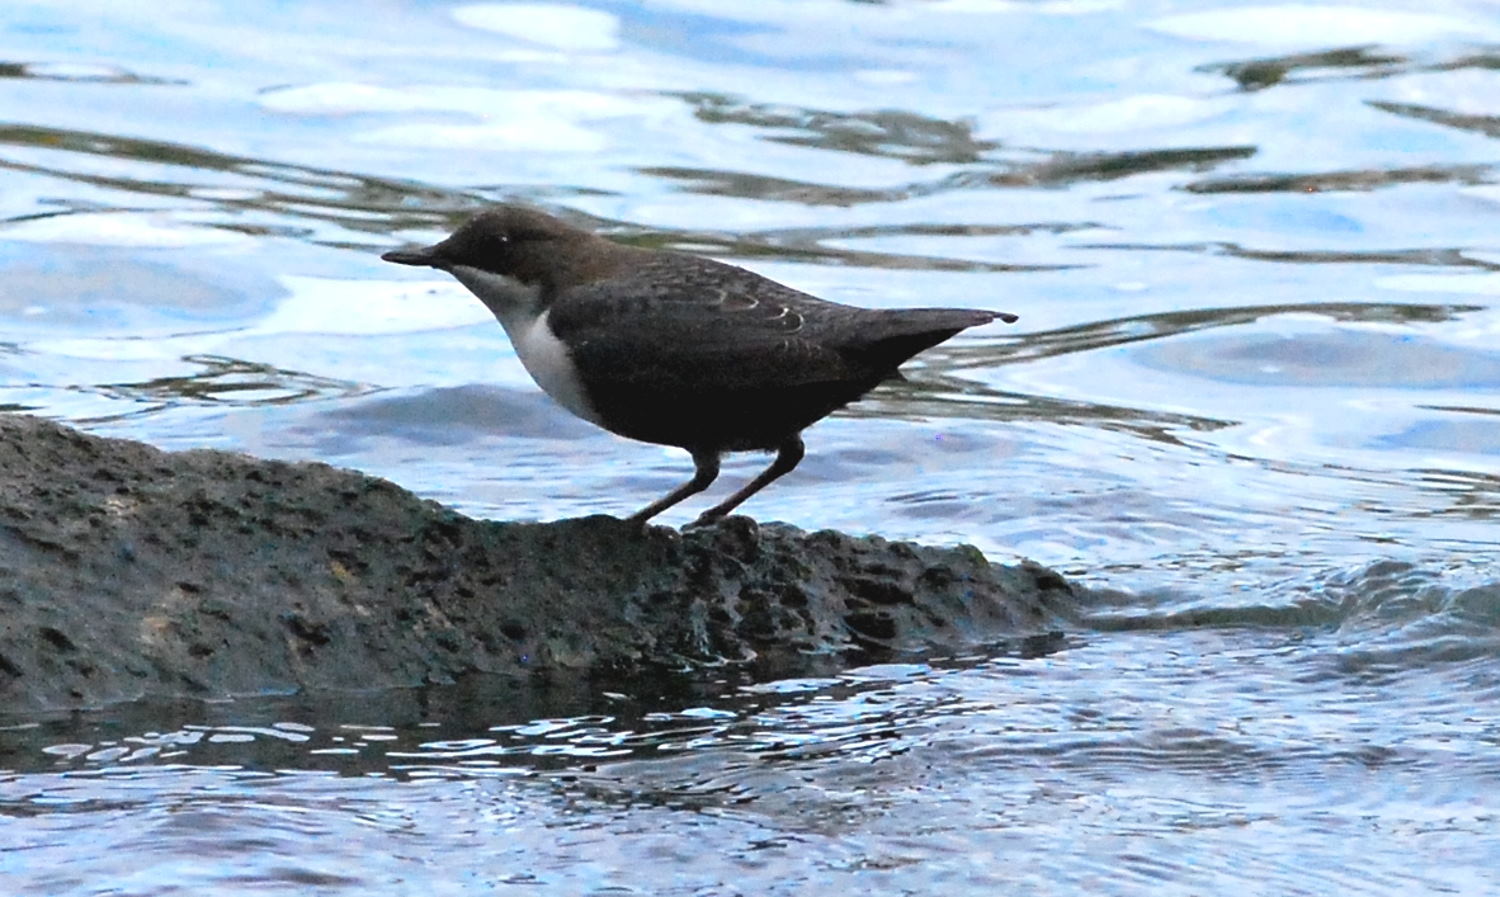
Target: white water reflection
1298,26
159,230
556,25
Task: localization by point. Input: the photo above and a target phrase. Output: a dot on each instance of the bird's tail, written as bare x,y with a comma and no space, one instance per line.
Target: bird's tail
892,337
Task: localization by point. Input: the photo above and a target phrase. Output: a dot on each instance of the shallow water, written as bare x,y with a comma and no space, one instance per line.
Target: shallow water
1255,386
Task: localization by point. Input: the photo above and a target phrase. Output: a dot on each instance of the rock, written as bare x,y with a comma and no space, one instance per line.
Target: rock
128,572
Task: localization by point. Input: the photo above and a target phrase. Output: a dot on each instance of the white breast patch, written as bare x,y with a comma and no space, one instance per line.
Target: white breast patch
544,356
548,362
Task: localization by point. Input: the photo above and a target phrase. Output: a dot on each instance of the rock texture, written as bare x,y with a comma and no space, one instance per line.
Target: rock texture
127,572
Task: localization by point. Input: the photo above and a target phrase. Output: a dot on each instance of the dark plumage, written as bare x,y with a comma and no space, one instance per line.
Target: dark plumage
677,349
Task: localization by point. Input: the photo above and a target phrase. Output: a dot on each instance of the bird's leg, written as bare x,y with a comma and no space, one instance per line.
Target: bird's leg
707,464
788,456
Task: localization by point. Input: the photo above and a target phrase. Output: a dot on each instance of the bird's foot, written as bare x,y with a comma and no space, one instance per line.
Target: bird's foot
707,518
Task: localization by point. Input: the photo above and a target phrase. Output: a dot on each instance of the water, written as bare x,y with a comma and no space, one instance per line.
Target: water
1254,389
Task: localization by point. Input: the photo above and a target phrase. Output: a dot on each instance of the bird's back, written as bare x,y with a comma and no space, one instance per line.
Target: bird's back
665,314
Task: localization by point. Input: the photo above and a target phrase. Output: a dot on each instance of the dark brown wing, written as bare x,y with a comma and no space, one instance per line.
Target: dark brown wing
675,318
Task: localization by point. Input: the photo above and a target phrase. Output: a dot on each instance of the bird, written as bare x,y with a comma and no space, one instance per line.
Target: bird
677,349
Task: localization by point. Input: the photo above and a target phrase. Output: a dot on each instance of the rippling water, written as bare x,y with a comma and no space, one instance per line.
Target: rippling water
1255,391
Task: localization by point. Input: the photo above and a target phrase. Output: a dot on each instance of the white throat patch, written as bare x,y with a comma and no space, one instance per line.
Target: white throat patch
544,356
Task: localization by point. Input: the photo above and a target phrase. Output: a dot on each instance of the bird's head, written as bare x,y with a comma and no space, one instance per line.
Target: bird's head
523,245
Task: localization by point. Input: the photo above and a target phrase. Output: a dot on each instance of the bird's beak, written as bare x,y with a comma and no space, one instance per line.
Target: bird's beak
426,257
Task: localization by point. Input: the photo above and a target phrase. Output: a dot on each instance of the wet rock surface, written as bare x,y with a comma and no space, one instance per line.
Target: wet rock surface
128,572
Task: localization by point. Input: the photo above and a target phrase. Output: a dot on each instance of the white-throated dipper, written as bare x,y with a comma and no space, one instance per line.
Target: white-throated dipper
677,349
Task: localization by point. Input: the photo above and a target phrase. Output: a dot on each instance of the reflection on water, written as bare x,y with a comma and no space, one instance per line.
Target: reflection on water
1370,179
222,182
1488,125
1103,334
108,74
1354,62
230,381
894,133
1254,382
